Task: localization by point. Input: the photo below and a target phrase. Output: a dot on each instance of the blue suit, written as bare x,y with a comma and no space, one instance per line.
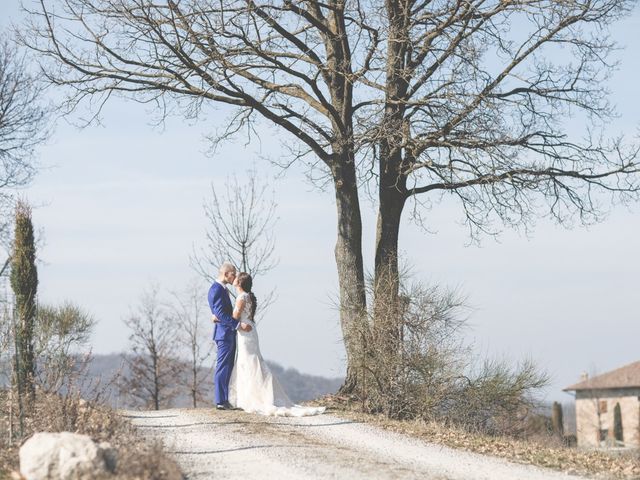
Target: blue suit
224,334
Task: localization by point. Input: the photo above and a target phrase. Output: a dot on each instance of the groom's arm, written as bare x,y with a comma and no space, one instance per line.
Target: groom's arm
217,308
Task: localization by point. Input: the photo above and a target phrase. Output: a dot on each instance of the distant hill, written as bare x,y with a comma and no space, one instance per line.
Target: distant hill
299,386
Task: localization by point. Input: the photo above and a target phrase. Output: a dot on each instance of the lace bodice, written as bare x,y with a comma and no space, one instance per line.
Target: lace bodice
245,314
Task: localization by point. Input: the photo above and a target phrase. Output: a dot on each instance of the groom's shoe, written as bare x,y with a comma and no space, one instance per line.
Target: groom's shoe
222,406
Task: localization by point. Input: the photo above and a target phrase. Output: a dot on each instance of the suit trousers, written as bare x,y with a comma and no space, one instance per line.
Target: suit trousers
224,366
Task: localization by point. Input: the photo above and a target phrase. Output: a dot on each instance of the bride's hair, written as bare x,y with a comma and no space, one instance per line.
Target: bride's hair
246,283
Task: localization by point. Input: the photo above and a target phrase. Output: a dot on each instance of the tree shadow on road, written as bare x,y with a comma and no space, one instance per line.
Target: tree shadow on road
253,447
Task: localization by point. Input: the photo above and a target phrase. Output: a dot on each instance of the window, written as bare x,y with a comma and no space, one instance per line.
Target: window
602,406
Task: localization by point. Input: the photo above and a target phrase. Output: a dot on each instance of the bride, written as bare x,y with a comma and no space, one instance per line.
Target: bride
253,387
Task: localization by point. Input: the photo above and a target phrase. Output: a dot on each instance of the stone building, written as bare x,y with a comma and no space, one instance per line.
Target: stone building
596,399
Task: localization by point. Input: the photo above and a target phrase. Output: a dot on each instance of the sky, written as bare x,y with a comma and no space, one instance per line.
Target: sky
120,208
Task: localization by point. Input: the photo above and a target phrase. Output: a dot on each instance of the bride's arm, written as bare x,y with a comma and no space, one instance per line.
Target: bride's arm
237,311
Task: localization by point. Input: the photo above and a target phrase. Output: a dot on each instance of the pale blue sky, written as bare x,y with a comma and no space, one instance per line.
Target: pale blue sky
120,206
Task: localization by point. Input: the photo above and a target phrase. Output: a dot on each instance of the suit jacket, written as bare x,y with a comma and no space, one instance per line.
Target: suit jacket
221,307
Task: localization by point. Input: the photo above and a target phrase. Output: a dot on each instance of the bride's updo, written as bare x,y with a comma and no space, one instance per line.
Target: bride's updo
246,283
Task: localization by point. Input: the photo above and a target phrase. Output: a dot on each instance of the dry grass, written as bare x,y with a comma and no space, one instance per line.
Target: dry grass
52,413
541,450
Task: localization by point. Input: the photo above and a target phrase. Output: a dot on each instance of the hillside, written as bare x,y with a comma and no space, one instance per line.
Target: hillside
299,386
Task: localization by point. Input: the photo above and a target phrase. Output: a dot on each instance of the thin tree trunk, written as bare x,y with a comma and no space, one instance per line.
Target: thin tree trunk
25,309
11,411
17,375
156,381
194,384
348,251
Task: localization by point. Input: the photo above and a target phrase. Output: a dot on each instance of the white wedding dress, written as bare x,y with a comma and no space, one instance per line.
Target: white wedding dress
253,387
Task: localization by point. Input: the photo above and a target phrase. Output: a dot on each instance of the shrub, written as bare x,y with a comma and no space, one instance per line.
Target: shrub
413,363
54,413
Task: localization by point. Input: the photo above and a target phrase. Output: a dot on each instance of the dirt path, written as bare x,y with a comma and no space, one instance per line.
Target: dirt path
235,445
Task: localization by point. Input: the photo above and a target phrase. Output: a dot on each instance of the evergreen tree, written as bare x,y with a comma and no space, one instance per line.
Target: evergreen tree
24,283
556,419
617,423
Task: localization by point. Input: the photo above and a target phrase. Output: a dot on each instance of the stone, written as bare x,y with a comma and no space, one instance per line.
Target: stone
65,456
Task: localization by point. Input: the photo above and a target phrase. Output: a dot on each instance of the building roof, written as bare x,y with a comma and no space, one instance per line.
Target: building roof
623,377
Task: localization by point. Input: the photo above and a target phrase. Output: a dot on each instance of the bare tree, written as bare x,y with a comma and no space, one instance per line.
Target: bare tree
23,118
23,126
241,221
191,318
153,367
422,99
473,101
23,122
289,64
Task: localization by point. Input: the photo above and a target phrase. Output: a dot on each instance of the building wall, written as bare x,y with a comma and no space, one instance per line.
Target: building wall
594,416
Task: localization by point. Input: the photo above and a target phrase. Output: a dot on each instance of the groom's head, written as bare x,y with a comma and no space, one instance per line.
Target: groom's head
227,273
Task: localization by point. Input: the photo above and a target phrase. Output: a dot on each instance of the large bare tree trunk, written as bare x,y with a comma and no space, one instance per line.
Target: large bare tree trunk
392,187
348,254
392,201
392,196
348,251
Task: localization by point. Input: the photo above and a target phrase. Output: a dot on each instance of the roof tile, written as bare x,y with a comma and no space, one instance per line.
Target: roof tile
623,377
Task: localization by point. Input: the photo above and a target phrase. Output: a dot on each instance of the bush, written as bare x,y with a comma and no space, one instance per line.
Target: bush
56,413
413,364
60,330
58,405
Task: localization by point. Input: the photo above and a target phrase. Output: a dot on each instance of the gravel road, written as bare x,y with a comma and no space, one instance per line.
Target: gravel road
235,445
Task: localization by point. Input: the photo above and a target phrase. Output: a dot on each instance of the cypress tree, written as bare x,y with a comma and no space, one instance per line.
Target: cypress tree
617,423
24,283
556,419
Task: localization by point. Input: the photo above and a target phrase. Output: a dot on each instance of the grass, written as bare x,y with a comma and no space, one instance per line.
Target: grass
52,413
543,450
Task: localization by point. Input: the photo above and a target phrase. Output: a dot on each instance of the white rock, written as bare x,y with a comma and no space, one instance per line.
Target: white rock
64,456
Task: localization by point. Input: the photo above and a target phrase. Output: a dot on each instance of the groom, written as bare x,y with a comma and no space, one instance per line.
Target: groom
224,332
